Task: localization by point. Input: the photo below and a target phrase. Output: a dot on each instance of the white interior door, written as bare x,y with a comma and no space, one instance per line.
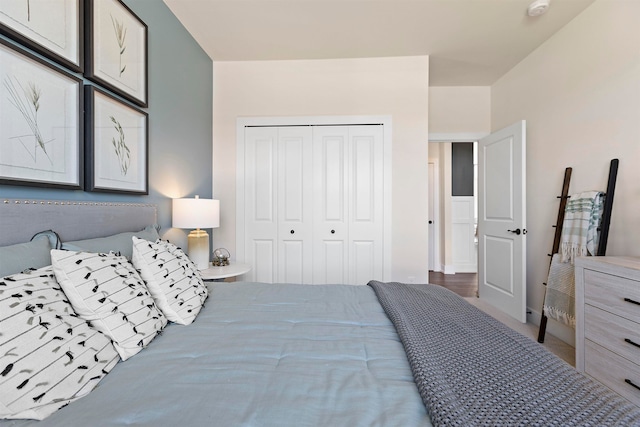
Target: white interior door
502,220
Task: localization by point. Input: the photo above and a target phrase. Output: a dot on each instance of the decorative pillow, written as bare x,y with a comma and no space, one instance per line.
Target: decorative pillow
106,290
172,279
120,243
17,258
48,355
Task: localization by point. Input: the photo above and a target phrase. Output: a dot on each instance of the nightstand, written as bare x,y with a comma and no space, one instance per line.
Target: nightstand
226,272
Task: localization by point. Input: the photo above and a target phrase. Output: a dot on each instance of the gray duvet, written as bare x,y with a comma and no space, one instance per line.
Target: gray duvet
262,355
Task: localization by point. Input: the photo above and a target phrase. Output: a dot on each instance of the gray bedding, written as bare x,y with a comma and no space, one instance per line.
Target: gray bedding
262,355
472,370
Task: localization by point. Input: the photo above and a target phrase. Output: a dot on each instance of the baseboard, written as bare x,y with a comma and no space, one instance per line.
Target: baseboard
449,269
466,268
561,331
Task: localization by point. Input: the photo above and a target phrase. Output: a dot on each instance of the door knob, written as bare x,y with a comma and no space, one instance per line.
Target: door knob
430,222
516,231
292,231
333,231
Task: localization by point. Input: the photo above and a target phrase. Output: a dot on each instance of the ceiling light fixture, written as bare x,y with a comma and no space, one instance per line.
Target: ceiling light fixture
538,7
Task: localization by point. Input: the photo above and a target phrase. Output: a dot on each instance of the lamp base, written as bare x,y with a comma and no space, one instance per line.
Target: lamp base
198,251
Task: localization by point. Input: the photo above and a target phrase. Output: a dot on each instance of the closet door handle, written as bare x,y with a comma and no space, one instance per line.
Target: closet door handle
333,231
628,381
292,231
627,340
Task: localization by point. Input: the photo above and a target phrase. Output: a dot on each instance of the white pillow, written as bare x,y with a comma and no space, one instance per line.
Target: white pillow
48,355
172,279
106,290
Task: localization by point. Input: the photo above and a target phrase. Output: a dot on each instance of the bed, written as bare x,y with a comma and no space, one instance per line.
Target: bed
260,354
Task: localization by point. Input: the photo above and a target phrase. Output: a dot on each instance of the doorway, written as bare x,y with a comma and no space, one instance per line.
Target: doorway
454,235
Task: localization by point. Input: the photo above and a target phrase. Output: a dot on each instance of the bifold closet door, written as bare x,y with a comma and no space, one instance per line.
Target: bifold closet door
278,208
348,204
313,204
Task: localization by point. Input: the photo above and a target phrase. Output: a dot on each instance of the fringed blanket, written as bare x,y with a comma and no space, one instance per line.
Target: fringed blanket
580,226
472,370
560,296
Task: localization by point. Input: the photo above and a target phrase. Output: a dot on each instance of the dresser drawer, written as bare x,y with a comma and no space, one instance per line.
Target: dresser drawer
611,331
613,371
608,292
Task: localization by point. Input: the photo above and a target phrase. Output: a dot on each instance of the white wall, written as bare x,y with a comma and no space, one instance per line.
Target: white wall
459,109
580,95
376,86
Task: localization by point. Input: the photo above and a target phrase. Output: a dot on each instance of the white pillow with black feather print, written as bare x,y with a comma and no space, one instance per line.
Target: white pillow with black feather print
172,279
106,290
49,356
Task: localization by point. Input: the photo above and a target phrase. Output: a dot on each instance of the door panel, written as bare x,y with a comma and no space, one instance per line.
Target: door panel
333,268
463,234
502,220
263,254
366,228
330,254
260,202
295,225
364,262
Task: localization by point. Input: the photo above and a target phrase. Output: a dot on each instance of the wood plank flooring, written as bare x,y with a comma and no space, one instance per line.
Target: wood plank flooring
463,284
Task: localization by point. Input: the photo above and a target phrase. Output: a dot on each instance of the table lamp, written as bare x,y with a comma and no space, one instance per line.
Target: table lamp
197,213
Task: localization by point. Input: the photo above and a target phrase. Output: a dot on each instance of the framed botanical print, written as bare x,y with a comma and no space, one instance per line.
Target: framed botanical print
117,140
53,28
40,122
116,49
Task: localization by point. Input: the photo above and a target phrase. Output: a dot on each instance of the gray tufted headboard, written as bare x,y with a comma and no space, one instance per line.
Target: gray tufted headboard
72,220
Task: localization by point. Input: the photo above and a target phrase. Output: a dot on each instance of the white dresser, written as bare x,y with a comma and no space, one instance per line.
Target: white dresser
608,322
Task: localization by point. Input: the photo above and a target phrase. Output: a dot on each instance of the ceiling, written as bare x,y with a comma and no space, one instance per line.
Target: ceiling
470,42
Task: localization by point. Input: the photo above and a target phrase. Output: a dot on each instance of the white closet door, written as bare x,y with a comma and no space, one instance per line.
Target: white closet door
330,205
348,204
313,204
366,225
261,201
295,209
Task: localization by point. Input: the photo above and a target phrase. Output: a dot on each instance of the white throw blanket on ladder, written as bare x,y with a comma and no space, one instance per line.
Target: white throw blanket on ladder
580,227
579,237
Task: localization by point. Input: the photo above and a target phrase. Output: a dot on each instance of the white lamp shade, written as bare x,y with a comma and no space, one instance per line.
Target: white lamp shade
196,213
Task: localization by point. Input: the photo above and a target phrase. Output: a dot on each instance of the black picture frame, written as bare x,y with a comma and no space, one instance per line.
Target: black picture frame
38,29
116,50
117,144
41,126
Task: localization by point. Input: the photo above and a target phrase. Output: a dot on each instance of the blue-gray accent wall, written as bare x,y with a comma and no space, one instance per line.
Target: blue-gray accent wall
180,119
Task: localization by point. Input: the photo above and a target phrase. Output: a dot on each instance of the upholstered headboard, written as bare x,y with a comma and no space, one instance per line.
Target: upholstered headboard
72,220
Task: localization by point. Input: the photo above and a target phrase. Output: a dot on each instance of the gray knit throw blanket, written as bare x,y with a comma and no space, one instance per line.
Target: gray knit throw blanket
472,370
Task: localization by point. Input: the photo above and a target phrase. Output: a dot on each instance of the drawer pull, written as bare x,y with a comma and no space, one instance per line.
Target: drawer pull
632,301
631,342
628,381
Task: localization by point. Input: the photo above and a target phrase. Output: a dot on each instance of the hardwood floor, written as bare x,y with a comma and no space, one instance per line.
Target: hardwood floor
463,284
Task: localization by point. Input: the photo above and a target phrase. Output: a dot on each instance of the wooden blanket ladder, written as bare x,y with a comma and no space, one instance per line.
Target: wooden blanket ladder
604,225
